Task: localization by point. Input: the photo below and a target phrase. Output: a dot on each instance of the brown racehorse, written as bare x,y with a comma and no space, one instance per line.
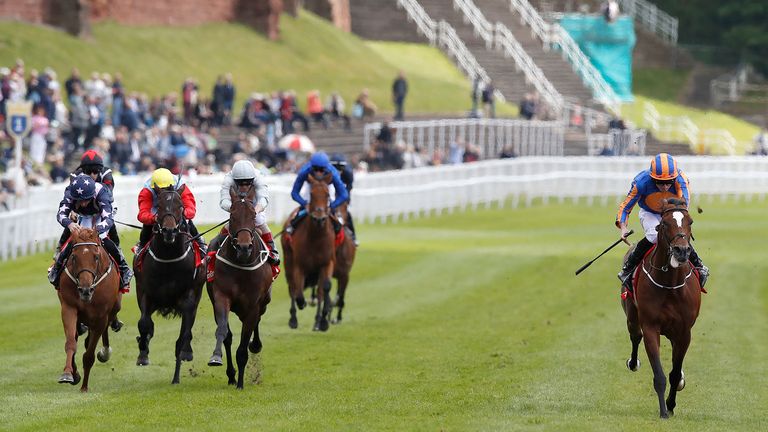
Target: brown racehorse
666,301
310,254
242,283
88,293
345,257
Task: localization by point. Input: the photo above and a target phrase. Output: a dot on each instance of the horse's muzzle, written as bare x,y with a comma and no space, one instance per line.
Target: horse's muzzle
169,235
86,293
243,252
681,253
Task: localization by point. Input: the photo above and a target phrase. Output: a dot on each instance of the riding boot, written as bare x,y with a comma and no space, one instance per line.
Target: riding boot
125,271
213,247
703,270
199,240
641,248
55,271
144,237
295,221
351,225
274,256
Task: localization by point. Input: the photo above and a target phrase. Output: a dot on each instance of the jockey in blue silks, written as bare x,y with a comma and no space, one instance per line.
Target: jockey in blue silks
318,166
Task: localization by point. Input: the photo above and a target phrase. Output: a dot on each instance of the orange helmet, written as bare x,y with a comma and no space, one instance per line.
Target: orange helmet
663,167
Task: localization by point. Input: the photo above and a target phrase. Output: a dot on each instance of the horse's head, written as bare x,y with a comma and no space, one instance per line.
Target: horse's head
675,231
169,214
242,221
85,263
319,197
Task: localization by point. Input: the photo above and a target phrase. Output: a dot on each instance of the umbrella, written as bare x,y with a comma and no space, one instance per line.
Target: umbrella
296,143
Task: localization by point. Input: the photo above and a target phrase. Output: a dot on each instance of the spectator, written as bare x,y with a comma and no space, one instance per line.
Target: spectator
315,108
528,106
610,10
471,154
58,172
489,100
456,151
761,142
334,107
399,91
37,143
477,89
69,84
385,134
607,150
508,153
364,107
189,99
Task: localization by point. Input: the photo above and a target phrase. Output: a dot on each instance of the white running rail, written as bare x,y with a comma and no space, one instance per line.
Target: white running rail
490,136
395,195
652,18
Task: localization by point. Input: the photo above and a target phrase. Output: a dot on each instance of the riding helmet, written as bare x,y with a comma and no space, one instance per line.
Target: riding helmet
338,160
162,178
319,160
663,167
83,187
91,158
243,170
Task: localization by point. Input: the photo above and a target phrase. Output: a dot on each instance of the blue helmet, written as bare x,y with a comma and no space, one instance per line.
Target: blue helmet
338,159
83,187
319,159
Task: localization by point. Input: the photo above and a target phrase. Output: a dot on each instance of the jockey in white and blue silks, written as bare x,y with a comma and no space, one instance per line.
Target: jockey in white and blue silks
318,166
92,203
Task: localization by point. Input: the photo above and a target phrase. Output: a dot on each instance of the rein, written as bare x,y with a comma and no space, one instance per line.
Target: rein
264,254
665,267
76,277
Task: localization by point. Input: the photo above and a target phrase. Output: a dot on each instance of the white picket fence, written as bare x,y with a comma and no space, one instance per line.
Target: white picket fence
396,195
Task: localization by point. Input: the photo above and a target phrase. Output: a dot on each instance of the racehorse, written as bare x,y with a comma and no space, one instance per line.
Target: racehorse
310,254
345,257
242,283
168,279
88,294
666,301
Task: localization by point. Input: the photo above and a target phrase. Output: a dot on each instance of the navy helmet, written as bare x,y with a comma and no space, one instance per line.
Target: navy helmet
83,187
319,160
338,160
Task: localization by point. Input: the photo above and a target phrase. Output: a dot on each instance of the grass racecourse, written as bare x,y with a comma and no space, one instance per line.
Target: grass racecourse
468,321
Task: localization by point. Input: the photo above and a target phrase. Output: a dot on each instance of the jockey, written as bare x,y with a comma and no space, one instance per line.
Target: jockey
244,176
92,202
164,179
663,180
318,166
348,178
92,164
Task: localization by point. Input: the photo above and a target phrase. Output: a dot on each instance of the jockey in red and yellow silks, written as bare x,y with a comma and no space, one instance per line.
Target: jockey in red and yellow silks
661,181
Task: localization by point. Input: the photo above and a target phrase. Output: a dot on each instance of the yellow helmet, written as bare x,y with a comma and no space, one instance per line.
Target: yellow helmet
162,178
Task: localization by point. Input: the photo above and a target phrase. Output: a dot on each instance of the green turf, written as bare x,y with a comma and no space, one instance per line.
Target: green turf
312,54
469,321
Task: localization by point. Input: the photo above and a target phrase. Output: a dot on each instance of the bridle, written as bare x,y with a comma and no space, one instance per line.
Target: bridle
232,237
96,280
158,228
668,240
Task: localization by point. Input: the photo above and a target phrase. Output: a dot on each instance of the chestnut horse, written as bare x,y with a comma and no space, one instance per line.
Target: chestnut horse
88,294
666,301
345,257
310,254
242,283
168,281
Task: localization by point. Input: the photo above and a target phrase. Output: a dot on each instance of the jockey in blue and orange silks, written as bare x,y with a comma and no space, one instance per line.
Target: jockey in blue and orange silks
661,181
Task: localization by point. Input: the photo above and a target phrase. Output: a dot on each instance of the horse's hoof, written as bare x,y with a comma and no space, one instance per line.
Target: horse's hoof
293,323
83,389
231,381
186,356
175,381
681,384
254,347
637,365
77,378
324,325
664,415
301,303
81,329
66,378
104,355
215,360
142,361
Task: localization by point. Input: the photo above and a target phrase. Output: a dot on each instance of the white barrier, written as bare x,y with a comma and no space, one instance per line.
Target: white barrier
401,194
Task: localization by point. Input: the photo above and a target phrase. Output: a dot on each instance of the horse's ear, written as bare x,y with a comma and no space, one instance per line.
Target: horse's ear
232,194
251,193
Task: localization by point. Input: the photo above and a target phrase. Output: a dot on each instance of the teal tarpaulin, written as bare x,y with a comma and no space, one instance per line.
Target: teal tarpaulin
608,46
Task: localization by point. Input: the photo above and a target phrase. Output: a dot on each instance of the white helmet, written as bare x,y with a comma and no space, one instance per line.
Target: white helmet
243,170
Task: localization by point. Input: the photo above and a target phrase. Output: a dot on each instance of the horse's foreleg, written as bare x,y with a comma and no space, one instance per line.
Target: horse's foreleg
255,346
635,334
146,330
242,349
651,337
69,320
676,377
183,343
228,348
106,351
89,356
324,299
293,322
341,289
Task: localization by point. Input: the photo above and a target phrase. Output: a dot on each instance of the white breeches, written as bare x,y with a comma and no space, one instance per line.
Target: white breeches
649,221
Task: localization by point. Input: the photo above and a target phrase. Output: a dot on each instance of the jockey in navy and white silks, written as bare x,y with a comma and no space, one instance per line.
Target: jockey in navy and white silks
243,177
92,203
318,166
663,180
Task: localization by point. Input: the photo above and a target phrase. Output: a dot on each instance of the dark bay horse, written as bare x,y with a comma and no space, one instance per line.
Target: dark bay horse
310,254
242,283
88,294
345,257
168,280
666,301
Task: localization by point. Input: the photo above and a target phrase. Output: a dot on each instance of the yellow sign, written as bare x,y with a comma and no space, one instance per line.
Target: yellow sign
19,118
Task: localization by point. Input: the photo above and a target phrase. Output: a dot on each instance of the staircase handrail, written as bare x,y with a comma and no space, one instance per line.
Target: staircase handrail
423,21
664,25
667,127
477,19
554,35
